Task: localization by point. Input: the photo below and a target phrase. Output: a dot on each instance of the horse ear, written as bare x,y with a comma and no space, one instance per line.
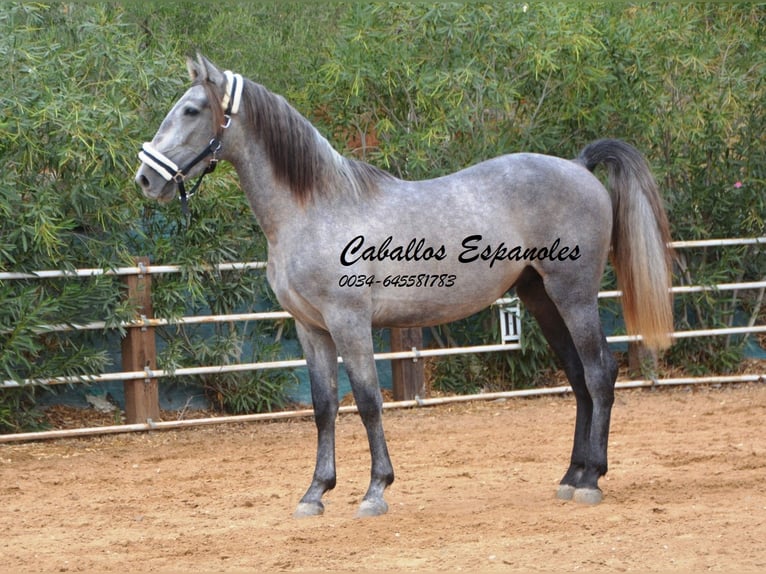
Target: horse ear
191,65
203,70
194,69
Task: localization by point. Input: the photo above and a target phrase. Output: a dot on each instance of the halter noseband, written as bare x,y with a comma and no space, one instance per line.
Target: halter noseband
168,169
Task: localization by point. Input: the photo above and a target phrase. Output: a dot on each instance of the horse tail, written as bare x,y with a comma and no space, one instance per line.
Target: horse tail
640,236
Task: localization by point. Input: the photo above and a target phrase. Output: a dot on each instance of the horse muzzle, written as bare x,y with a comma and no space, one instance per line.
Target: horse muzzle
153,186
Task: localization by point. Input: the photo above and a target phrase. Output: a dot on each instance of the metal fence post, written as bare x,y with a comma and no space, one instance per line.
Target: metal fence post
142,402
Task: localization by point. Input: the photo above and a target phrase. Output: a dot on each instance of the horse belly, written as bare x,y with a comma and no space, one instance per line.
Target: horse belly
425,299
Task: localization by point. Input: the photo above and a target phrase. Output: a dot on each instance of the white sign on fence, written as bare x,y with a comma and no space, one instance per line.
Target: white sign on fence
510,321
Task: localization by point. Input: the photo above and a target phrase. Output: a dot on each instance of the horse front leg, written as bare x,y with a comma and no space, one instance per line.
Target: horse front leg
370,405
322,360
355,346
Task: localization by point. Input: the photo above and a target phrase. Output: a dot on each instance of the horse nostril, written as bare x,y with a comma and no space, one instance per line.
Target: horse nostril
143,181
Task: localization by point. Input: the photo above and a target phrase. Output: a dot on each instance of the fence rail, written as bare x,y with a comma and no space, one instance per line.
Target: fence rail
122,271
415,353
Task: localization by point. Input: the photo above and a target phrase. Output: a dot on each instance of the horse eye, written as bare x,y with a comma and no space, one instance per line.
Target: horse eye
190,111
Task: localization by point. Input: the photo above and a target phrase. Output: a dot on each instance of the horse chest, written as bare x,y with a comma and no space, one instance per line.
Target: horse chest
295,289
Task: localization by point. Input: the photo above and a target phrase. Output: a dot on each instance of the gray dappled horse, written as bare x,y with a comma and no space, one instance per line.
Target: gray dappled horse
351,247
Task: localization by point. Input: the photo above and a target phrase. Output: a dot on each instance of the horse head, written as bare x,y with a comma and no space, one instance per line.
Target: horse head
189,139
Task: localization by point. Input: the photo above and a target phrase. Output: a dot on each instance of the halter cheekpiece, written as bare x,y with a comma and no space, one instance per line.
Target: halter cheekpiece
168,169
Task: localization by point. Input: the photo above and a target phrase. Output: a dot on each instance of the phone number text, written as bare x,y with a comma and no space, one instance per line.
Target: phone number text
420,280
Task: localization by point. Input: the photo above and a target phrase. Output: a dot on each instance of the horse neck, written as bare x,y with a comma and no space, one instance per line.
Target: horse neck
276,205
270,201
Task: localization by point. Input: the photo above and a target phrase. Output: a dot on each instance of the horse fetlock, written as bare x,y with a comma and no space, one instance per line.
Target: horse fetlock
329,483
388,478
573,476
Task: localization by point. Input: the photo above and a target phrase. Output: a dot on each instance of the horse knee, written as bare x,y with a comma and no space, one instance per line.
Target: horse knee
369,403
325,411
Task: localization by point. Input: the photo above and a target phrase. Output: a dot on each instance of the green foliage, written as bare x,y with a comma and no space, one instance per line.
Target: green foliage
69,119
447,85
419,89
459,374
237,392
18,412
254,392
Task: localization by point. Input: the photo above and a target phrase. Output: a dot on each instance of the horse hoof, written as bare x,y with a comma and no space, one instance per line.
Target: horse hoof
588,495
370,508
565,492
306,509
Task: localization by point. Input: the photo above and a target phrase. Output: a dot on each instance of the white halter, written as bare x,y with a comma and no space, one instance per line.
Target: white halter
233,96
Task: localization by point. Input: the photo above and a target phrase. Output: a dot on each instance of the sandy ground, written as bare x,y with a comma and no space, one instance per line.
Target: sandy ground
474,492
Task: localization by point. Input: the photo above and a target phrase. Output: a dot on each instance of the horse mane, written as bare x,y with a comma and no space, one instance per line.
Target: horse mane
302,159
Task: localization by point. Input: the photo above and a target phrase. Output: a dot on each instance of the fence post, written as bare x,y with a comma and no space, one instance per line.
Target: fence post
408,375
138,352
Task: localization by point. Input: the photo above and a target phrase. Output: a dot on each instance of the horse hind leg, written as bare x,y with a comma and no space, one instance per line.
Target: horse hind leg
591,371
599,374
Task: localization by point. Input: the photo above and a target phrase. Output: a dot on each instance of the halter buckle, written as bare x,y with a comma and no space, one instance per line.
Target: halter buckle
215,145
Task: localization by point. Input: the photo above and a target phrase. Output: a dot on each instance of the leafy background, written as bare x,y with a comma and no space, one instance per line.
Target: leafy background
418,89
